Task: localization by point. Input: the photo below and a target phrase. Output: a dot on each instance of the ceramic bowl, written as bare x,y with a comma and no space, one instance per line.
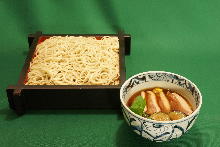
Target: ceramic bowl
160,130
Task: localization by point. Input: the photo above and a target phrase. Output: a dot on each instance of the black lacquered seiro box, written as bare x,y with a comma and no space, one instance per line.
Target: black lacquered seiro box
23,97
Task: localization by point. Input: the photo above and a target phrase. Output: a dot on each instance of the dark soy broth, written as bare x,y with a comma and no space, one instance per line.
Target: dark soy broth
132,98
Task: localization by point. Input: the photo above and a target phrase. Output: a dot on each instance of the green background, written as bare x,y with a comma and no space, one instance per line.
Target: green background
170,35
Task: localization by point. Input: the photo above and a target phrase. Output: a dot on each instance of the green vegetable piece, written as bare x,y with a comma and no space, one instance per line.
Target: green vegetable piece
138,105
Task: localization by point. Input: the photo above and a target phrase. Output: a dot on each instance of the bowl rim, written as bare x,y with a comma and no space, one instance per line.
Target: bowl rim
155,121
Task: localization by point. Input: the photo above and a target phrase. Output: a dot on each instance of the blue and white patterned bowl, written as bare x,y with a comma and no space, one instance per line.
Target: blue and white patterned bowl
157,130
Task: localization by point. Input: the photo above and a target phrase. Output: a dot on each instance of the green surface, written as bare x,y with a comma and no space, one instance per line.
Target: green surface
177,36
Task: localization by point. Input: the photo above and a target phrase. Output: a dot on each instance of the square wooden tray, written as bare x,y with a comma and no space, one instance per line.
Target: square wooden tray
23,97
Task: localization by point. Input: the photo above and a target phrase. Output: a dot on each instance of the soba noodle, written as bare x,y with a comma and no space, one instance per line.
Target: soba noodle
73,60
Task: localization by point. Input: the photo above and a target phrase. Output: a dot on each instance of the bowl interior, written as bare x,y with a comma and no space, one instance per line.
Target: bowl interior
164,80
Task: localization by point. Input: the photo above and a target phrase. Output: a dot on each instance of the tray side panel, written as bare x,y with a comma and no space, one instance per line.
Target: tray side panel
71,98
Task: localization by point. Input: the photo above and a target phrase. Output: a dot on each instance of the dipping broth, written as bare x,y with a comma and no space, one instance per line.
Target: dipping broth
159,104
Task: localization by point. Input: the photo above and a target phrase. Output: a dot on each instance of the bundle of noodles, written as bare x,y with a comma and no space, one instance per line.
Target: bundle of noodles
73,60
